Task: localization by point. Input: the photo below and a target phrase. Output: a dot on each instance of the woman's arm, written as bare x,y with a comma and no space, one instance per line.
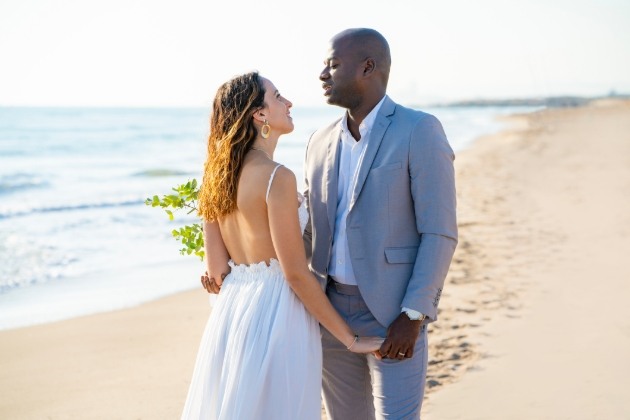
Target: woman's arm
216,257
287,241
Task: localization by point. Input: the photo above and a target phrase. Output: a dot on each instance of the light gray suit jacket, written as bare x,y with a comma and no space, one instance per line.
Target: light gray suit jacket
401,227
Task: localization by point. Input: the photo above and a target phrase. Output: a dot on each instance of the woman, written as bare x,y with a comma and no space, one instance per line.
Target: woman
260,355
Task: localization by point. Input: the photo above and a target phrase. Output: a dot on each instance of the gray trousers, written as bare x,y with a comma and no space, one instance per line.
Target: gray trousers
359,386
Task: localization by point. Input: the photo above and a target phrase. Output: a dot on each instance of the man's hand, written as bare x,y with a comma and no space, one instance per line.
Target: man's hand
210,284
401,338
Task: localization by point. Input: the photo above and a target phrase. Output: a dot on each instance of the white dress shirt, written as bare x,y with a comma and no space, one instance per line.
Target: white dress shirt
350,159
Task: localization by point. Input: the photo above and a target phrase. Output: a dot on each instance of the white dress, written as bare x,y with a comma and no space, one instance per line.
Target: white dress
260,355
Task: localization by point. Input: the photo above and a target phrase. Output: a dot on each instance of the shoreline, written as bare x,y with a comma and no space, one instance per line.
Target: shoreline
123,283
56,271
137,362
108,292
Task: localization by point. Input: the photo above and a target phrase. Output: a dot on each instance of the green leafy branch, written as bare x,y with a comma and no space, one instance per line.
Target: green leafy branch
185,197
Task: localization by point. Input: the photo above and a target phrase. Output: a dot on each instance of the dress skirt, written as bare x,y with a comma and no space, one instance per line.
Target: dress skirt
260,356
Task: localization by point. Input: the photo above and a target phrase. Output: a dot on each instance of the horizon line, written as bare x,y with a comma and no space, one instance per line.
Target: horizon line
435,103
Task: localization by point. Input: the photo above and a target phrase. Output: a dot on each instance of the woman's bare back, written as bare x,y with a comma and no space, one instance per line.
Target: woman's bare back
246,231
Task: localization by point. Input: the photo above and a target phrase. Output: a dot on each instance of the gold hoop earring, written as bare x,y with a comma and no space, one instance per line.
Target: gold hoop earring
265,130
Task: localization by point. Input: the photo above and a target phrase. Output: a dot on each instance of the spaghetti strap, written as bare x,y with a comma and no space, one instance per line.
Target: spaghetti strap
270,181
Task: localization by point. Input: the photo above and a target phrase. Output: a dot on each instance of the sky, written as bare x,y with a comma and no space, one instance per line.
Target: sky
176,53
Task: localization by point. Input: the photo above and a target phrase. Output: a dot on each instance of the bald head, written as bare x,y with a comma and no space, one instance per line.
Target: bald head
366,43
356,70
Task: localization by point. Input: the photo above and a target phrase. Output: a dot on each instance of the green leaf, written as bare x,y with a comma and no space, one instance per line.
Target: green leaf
190,236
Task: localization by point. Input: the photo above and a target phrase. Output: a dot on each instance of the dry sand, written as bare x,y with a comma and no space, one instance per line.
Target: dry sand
540,285
534,322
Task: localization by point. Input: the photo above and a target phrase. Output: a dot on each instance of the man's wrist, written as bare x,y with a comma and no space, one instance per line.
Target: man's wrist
412,314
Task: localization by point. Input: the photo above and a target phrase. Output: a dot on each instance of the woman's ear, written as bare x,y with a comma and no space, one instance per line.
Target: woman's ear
260,115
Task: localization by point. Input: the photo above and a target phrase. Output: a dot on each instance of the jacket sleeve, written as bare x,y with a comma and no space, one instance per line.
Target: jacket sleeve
433,190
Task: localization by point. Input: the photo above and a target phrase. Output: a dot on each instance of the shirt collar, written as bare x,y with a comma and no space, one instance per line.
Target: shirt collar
367,123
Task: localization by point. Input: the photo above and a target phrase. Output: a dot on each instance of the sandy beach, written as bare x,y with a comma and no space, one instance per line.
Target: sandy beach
539,287
534,319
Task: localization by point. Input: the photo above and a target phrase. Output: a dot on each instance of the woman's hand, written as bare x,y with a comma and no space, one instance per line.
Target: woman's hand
367,345
216,258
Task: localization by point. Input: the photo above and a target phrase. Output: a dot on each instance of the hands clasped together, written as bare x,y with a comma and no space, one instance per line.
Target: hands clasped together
399,343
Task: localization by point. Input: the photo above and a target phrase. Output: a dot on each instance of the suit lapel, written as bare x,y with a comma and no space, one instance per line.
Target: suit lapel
331,175
376,138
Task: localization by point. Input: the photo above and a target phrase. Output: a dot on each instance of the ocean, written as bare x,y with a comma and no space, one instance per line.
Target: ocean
75,235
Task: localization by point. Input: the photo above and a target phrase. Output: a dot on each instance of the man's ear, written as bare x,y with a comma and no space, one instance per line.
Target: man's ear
369,66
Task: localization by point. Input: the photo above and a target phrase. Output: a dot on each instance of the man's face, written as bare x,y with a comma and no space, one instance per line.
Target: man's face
341,74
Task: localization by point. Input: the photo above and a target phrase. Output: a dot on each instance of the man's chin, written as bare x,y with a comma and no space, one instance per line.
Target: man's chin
331,101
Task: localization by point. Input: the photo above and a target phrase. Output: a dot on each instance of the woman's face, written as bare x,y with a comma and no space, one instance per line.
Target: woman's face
277,110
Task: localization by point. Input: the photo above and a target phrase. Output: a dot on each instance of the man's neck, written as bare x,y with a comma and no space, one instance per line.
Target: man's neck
356,116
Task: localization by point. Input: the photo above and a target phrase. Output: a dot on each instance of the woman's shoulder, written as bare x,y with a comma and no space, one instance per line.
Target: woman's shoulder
264,177
282,186
283,177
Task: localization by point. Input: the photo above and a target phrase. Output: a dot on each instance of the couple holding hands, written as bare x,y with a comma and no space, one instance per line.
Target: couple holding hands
328,292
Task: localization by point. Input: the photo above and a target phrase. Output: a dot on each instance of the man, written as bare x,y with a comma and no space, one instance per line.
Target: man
382,232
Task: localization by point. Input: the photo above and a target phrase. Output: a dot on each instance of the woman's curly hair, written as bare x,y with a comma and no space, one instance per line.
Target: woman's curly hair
232,133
